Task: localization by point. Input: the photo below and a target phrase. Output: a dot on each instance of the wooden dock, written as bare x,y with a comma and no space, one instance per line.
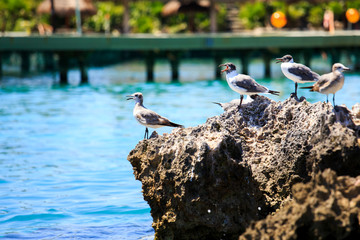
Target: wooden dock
221,45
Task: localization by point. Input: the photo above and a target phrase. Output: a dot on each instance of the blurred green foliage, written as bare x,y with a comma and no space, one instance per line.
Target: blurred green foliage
18,15
353,4
145,15
179,22
337,7
277,6
298,13
108,17
252,14
298,10
315,17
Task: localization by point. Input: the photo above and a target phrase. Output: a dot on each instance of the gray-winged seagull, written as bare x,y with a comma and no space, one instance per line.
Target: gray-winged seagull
243,84
147,117
330,82
296,72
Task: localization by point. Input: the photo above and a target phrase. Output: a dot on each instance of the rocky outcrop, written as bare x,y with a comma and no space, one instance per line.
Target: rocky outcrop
212,181
328,207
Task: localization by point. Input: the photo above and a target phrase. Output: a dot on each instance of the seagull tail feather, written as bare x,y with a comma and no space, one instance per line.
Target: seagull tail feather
309,87
217,103
171,124
274,92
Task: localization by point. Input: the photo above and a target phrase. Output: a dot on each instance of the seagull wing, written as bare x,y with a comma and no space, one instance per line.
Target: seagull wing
248,83
149,117
303,72
329,80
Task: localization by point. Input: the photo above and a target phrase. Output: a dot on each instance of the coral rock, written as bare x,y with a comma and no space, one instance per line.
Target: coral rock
213,180
328,207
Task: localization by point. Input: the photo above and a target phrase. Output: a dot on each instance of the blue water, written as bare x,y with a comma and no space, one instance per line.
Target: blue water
63,167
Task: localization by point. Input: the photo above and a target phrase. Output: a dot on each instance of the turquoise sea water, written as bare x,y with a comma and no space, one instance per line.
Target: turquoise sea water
63,167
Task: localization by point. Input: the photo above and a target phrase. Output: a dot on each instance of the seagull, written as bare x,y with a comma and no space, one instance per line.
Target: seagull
330,82
147,117
297,72
243,84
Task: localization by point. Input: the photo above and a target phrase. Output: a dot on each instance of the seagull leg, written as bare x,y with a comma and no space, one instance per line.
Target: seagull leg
334,99
327,98
241,99
296,85
146,136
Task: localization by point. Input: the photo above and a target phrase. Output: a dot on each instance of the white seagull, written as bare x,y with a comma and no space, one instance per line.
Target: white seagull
243,84
296,72
147,117
330,82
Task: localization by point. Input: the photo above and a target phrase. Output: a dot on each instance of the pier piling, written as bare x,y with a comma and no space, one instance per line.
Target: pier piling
356,54
307,57
218,60
63,68
335,55
150,63
244,58
25,63
84,78
49,62
174,63
1,72
267,64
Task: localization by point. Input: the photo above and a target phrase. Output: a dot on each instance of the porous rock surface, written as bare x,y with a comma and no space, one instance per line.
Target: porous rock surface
213,180
328,207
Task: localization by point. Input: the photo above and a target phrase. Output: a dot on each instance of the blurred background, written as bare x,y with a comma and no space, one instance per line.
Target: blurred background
127,16
66,66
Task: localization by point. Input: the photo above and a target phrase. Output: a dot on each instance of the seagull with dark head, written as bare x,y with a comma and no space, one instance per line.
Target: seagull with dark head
147,117
330,82
243,84
296,72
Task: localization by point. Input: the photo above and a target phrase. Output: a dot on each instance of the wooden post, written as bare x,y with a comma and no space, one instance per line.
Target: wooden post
335,55
1,72
49,64
150,62
213,25
126,16
218,60
267,63
53,18
25,63
244,57
356,53
64,67
174,63
307,57
84,78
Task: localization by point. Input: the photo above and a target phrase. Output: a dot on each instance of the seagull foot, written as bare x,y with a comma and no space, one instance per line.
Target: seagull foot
302,98
293,95
254,96
154,134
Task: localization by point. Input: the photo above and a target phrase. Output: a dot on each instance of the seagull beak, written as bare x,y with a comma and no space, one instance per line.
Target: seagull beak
129,97
346,69
279,60
227,68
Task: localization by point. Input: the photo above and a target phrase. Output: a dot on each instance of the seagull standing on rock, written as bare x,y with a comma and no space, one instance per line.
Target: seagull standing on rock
330,82
243,84
147,117
296,72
